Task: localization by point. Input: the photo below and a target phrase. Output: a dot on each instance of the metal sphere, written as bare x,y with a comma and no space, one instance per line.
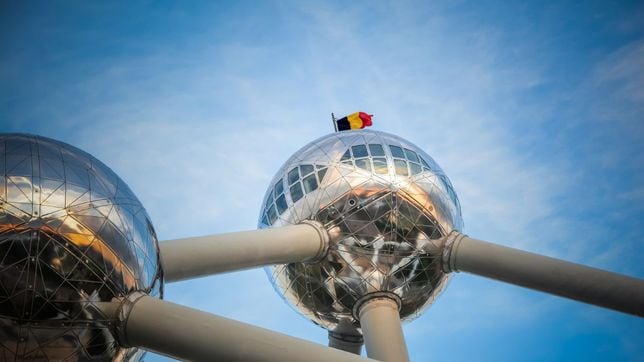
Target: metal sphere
384,203
71,234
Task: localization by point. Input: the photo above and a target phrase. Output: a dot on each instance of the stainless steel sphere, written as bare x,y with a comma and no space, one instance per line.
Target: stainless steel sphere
71,234
384,203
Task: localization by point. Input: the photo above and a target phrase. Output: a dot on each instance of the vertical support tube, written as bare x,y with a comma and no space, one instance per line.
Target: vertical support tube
554,276
382,330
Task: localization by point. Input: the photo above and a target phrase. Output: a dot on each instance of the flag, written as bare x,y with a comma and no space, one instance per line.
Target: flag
356,120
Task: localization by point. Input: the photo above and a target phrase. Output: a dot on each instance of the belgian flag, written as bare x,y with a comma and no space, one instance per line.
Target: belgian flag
356,120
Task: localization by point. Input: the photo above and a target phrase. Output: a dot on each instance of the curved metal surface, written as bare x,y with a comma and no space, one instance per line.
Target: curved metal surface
72,234
385,204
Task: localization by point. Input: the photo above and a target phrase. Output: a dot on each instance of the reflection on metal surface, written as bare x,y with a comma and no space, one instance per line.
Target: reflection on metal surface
385,204
71,234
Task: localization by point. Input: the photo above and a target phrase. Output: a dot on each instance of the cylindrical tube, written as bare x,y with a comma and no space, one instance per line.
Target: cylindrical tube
570,280
189,334
206,255
382,330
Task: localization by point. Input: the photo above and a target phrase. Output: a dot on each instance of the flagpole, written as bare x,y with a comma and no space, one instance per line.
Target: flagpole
335,124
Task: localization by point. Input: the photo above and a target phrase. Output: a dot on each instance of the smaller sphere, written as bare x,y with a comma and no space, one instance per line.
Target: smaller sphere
71,234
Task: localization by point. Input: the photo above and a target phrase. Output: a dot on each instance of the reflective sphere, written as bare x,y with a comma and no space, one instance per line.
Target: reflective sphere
384,203
71,234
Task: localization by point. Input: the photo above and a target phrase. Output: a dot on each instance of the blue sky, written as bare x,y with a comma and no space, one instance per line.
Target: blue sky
534,109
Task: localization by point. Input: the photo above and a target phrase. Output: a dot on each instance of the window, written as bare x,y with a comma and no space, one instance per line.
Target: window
293,176
415,168
396,151
305,179
306,169
281,204
422,160
380,166
401,167
376,150
296,192
411,155
275,203
413,159
272,216
279,188
364,164
359,151
310,183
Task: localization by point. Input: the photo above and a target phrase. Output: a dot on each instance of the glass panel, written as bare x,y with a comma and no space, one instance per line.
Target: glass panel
281,204
415,168
272,216
411,155
396,151
376,150
348,162
364,164
293,176
296,192
422,160
359,151
346,156
401,167
279,187
310,183
380,166
306,169
321,174
269,200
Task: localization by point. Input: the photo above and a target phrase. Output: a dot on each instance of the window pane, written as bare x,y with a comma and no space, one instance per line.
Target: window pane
411,155
296,192
310,183
269,200
272,216
422,160
279,187
401,167
396,151
359,151
306,169
293,176
346,156
281,204
376,150
415,168
380,166
364,164
321,173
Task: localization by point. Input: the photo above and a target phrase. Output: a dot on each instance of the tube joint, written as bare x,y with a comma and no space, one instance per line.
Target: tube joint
324,241
365,299
448,259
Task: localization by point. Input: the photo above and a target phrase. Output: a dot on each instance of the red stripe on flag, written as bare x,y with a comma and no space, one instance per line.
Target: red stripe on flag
366,119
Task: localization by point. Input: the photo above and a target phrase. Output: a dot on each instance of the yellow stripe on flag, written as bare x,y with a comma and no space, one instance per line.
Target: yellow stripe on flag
354,120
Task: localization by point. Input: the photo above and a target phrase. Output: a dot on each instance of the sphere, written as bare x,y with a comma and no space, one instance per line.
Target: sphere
71,234
385,203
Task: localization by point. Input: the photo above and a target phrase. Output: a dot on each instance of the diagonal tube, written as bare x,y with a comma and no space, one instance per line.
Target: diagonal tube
189,334
534,271
207,255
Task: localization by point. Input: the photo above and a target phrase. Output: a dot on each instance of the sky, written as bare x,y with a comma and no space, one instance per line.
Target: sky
534,109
